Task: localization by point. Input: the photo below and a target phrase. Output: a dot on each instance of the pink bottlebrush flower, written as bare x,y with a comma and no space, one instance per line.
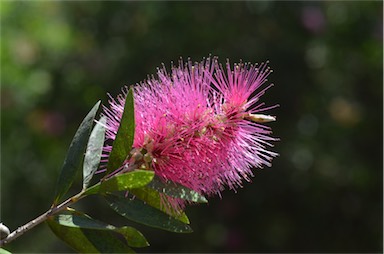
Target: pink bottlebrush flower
199,124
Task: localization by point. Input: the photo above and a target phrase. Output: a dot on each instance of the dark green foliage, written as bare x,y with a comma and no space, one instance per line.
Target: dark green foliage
157,200
133,236
75,155
89,240
122,144
177,191
81,225
136,210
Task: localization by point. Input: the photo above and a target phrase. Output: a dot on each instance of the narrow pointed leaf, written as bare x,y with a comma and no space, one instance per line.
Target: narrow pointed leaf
122,145
75,155
134,237
73,219
89,240
80,220
93,153
122,182
177,191
155,199
136,210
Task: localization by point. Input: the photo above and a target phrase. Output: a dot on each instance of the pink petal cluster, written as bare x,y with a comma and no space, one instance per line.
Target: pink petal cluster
195,123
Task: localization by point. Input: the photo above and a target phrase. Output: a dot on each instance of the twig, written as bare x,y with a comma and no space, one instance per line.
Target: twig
33,223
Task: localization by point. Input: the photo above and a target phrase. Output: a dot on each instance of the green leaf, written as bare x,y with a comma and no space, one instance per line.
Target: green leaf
4,251
176,190
89,240
79,220
157,200
69,221
122,145
122,182
75,155
93,153
136,210
134,237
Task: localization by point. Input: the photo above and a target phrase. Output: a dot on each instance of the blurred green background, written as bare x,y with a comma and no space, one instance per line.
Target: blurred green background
324,192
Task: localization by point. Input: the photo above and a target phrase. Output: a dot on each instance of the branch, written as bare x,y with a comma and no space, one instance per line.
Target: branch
33,223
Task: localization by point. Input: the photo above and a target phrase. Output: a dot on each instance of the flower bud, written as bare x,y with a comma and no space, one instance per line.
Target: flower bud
260,118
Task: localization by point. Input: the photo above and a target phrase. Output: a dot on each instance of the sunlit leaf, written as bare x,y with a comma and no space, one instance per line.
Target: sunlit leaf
93,152
121,182
4,251
177,191
155,199
80,220
123,142
136,210
75,155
